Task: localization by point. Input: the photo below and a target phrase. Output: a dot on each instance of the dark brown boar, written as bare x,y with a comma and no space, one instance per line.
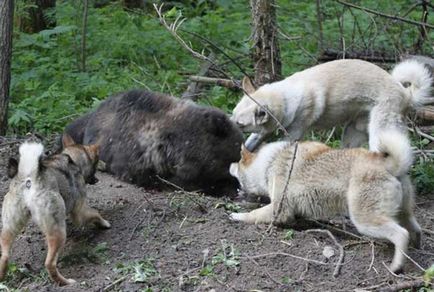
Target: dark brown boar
143,135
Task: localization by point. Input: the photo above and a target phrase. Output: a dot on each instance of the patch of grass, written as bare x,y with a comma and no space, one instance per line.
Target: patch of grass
229,206
227,256
422,173
429,274
286,280
140,271
289,234
84,253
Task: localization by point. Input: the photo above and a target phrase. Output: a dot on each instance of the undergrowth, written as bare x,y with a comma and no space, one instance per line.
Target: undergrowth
130,49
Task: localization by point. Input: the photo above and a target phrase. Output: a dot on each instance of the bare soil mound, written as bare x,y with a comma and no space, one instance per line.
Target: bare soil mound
177,241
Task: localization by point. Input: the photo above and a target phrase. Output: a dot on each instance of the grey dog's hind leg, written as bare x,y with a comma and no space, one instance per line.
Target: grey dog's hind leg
14,218
355,134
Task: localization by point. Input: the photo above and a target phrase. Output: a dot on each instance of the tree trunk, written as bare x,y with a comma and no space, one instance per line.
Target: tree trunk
265,52
6,18
36,18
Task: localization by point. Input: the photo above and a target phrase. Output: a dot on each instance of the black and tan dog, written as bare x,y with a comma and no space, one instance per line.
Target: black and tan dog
48,189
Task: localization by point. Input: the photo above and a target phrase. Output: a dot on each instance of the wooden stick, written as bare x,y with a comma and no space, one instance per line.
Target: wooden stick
287,255
218,81
279,207
341,249
404,285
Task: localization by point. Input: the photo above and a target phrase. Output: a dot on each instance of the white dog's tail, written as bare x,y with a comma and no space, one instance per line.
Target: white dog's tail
396,147
417,80
30,154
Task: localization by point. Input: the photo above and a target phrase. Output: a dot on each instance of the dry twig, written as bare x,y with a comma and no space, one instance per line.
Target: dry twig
386,15
288,255
341,249
187,193
228,83
266,272
283,195
404,285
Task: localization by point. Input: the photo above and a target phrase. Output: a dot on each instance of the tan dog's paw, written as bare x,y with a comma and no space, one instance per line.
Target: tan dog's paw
68,282
105,224
237,216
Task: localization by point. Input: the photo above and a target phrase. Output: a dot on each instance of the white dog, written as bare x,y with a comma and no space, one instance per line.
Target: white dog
353,93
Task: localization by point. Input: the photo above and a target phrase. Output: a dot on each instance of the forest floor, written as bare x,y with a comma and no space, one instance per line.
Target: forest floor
176,241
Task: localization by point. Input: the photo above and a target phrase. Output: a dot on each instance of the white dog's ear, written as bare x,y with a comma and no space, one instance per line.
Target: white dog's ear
233,169
261,115
248,85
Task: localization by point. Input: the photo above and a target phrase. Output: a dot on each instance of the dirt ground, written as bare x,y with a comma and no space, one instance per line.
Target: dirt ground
174,241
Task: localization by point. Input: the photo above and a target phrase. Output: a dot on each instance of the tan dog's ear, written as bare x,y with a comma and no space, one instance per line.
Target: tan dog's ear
246,155
67,140
247,85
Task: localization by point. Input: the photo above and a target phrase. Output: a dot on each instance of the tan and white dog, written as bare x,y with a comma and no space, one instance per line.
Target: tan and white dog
353,93
372,187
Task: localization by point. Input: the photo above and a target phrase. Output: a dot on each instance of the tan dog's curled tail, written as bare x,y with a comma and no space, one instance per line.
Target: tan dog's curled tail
397,148
417,80
30,154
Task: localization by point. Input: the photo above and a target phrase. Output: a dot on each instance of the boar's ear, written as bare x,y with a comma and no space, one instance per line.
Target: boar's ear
218,124
247,85
12,167
94,149
67,140
261,115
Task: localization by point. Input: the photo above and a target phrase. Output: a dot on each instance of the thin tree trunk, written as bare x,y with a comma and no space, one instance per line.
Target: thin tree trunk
37,19
83,35
6,18
266,52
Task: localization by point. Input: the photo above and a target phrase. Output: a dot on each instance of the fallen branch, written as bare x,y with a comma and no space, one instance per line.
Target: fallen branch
228,83
112,285
341,249
406,20
194,88
266,272
330,55
188,194
418,131
287,255
404,285
336,228
426,114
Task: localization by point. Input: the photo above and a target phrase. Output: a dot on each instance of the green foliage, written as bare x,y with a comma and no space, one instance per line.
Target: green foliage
127,50
140,271
228,256
229,206
289,235
124,50
84,253
429,274
423,176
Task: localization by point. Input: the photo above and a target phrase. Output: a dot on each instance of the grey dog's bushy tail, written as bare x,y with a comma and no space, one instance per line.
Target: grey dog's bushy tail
30,155
417,80
399,155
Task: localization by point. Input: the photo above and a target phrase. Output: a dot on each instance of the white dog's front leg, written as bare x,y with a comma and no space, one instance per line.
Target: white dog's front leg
257,216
